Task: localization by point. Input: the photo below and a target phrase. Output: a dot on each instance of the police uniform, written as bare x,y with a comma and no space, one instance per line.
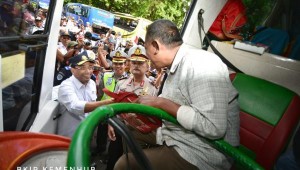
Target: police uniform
145,87
109,79
109,82
137,53
62,75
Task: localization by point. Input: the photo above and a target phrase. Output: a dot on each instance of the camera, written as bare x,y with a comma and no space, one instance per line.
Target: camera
97,68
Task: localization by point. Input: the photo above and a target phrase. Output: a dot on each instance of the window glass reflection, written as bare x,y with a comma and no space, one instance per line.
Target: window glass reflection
22,17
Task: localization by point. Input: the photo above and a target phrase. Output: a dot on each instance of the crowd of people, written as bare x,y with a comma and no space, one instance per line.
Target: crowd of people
85,66
190,84
195,90
75,37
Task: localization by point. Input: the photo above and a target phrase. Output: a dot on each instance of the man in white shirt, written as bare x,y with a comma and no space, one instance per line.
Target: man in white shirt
77,94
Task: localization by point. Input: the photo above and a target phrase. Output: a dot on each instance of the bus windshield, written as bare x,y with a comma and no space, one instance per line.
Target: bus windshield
126,22
129,26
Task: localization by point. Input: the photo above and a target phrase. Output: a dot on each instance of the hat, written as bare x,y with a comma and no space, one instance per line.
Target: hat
79,59
38,19
64,33
137,53
118,56
72,44
63,17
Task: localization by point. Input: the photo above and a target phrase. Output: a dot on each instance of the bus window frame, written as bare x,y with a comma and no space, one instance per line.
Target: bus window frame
40,41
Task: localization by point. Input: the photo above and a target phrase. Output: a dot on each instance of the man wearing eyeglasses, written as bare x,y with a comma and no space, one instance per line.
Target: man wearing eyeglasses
77,95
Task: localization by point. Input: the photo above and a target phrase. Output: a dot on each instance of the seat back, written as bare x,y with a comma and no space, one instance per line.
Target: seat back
269,113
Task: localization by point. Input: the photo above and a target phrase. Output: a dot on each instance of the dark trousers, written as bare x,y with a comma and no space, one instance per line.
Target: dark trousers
115,151
115,148
101,137
160,156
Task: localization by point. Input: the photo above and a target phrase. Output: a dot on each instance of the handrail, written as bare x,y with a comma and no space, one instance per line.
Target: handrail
79,152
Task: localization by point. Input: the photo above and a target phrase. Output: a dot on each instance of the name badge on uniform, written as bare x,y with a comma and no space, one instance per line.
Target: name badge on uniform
109,81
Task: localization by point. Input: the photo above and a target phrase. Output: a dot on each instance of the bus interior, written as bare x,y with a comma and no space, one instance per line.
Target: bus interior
28,113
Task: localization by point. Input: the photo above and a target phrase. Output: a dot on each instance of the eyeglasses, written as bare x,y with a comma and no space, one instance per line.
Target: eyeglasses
84,68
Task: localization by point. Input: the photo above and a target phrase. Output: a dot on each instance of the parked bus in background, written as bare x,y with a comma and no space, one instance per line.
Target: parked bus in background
131,27
98,18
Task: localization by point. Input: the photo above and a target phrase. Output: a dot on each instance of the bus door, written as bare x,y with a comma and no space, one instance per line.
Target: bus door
23,56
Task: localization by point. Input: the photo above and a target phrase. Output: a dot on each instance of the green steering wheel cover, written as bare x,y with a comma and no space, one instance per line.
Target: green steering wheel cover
79,152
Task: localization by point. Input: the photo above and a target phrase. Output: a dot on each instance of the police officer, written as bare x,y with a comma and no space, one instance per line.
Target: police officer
109,80
139,84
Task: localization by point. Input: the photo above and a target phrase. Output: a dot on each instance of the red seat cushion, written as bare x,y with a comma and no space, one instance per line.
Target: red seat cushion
269,114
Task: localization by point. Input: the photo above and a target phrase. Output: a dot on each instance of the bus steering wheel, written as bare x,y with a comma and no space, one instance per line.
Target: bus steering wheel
79,152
